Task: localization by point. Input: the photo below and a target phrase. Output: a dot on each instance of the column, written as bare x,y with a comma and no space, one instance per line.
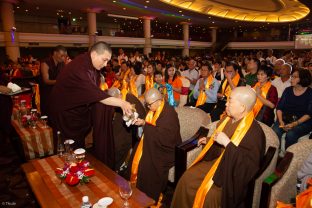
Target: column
11,37
147,35
92,25
186,38
213,34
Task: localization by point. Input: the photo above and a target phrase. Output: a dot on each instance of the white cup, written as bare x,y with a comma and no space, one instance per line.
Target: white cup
104,202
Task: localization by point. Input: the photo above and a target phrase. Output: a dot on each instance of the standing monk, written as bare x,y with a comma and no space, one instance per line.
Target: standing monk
220,175
50,68
77,103
154,155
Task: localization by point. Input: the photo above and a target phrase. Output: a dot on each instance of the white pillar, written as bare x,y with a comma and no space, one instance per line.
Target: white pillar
92,25
213,34
186,38
11,37
147,35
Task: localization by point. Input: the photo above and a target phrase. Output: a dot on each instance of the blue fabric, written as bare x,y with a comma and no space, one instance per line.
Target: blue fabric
211,92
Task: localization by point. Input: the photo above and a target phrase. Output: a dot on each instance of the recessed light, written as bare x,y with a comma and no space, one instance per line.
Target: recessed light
26,10
147,1
145,7
80,18
74,19
114,1
124,8
182,15
17,7
37,7
213,22
69,12
180,11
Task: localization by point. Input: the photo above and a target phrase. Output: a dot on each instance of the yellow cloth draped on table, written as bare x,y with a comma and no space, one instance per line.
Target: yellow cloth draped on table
202,97
264,91
237,137
226,90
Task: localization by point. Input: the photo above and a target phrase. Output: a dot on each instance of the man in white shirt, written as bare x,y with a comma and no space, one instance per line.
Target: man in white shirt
191,73
283,81
271,58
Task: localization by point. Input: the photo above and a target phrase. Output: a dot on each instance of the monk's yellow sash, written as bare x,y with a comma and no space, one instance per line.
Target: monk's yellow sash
132,86
118,83
37,97
237,137
151,118
227,90
264,91
103,86
149,82
202,97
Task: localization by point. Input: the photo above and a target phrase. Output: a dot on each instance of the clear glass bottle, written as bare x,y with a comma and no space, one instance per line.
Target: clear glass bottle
85,202
60,145
33,118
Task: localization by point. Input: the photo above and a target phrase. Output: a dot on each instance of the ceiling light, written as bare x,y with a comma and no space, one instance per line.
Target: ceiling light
37,7
57,14
213,22
26,10
17,7
74,19
80,18
145,7
180,11
147,1
114,1
122,16
69,12
182,15
124,8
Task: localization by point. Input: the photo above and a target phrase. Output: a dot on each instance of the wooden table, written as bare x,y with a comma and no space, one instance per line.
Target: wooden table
36,142
50,192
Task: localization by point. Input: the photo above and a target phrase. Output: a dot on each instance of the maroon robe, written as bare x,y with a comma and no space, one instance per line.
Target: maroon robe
74,107
158,152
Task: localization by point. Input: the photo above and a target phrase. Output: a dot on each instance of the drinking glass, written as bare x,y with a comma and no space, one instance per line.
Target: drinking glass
44,120
125,191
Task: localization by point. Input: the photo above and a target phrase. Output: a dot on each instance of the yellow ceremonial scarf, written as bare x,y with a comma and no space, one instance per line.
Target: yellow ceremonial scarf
37,97
133,89
202,95
237,137
149,82
264,91
123,76
226,90
103,86
151,118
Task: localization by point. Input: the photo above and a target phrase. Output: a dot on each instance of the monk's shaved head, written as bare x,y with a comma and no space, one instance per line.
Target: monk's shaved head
114,92
101,47
246,96
152,95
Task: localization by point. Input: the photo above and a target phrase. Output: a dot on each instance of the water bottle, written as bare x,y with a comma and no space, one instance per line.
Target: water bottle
60,145
85,202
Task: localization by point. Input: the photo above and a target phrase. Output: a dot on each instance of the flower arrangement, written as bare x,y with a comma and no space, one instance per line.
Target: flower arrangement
26,120
75,173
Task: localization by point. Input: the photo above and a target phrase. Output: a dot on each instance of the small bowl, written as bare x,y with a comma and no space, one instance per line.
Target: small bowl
104,202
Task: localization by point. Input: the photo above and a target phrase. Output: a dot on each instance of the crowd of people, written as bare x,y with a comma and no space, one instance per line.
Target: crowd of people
98,88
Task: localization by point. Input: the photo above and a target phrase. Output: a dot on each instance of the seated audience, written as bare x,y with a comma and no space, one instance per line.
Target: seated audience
220,175
154,155
206,89
266,97
232,80
282,82
294,110
172,78
253,66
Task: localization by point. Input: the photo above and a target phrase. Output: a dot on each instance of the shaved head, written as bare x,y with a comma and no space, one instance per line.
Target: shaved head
246,96
152,95
114,92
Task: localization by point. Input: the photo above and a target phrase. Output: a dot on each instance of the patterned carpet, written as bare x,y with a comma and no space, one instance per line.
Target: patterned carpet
14,190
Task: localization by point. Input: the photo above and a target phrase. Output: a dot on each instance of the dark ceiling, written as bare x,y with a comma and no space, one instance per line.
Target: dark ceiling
134,8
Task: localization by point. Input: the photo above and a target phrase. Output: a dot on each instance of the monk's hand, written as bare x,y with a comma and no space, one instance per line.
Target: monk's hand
126,108
138,122
4,89
202,141
222,138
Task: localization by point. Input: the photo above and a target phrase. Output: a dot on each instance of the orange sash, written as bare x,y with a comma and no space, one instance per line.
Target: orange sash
37,97
237,137
123,76
202,95
149,82
227,91
264,91
151,118
133,89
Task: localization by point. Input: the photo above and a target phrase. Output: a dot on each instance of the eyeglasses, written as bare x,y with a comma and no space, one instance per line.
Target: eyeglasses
150,104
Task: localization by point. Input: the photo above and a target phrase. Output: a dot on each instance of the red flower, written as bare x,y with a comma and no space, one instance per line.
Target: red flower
71,179
89,172
73,168
59,171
